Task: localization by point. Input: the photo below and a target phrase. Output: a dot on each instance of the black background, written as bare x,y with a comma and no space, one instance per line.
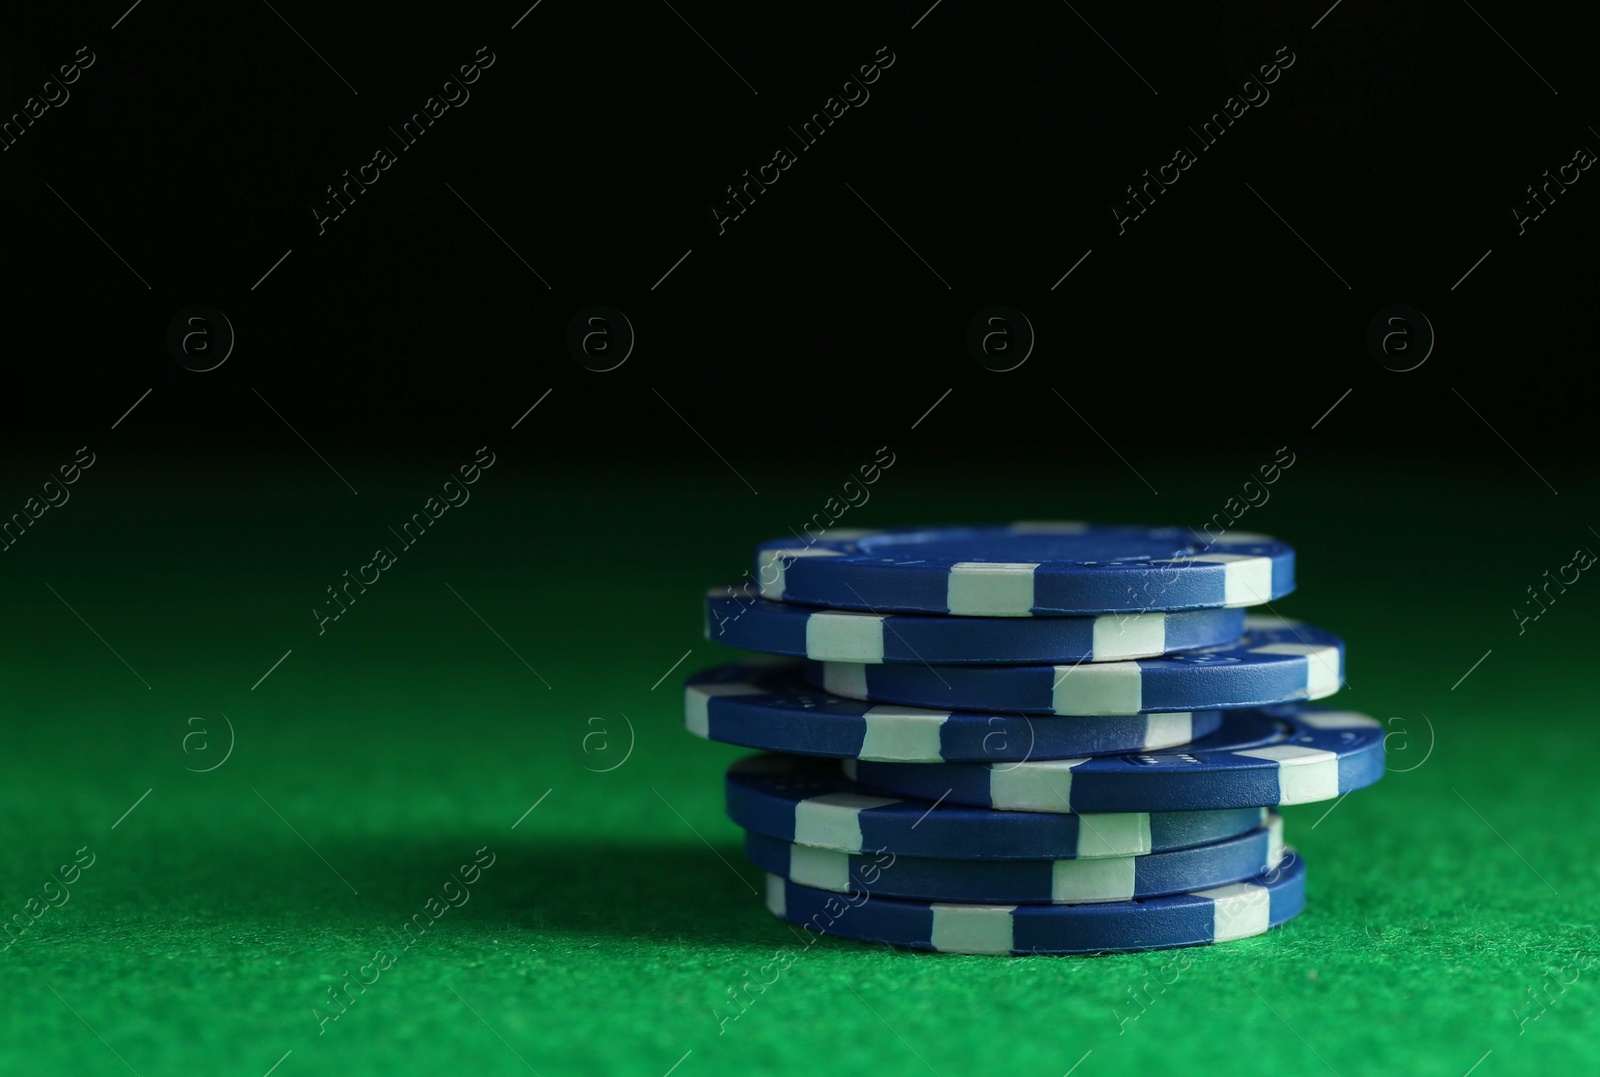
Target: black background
996,145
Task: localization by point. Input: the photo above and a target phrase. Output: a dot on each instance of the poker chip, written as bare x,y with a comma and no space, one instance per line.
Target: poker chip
1216,914
1023,882
736,618
1026,569
1257,758
769,705
1275,661
809,802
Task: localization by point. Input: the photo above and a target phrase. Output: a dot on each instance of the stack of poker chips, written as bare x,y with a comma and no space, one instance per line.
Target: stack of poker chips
1045,738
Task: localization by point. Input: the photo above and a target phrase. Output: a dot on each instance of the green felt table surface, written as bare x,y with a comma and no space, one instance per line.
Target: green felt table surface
1451,916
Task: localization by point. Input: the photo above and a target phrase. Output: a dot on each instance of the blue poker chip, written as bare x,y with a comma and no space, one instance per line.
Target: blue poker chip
809,802
769,705
1024,882
1259,758
1026,568
737,618
1218,914
1275,661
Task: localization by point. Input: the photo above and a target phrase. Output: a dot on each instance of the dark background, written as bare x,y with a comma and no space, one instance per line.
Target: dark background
186,580
996,145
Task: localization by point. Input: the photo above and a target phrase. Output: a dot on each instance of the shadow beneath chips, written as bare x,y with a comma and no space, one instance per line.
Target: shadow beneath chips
631,891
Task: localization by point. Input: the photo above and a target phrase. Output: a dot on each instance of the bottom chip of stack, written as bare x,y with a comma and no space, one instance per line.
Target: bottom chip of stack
1218,914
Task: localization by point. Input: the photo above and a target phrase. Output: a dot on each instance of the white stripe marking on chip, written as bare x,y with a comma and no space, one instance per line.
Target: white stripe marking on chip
845,679
902,734
697,703
1108,879
972,929
1238,910
1305,775
1113,834
1037,786
777,896
1129,635
845,636
1098,688
1169,729
1323,667
990,588
1338,720
825,869
1246,580
771,563
833,821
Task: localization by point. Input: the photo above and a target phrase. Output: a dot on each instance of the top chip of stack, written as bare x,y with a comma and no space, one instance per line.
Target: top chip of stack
1027,569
